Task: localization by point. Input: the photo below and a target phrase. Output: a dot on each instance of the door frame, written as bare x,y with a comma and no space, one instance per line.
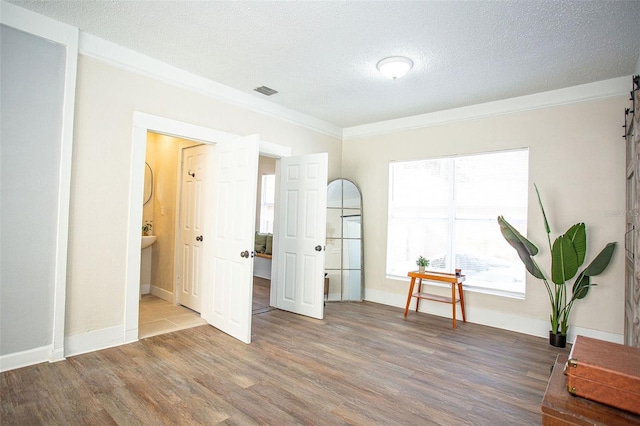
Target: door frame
143,123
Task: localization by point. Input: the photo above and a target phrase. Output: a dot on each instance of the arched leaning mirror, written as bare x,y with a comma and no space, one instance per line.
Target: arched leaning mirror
344,253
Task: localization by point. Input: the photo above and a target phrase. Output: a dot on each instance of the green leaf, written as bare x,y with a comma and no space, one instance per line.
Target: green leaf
564,260
581,286
530,264
601,261
524,247
578,236
515,238
546,223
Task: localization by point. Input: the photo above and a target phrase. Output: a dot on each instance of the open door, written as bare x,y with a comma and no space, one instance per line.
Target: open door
227,304
299,237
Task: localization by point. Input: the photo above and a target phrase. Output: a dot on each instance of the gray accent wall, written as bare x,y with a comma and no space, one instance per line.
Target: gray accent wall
31,100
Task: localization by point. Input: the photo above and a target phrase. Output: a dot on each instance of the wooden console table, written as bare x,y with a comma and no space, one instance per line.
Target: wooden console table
453,279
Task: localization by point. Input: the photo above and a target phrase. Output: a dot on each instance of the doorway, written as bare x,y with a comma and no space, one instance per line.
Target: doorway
163,307
172,268
142,124
265,217
174,211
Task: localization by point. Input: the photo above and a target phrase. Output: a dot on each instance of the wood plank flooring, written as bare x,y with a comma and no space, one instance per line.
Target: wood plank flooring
364,364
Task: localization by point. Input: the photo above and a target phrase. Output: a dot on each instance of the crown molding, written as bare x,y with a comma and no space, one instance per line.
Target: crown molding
124,58
133,61
585,92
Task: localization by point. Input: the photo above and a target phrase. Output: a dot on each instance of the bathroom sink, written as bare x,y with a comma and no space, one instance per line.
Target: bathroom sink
147,240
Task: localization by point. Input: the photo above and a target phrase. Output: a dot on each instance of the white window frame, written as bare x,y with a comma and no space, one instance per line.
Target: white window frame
451,221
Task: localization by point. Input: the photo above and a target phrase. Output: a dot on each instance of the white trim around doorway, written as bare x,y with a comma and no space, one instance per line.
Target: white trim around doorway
143,123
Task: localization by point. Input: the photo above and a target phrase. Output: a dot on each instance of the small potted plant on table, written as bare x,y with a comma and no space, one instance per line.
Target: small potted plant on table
422,263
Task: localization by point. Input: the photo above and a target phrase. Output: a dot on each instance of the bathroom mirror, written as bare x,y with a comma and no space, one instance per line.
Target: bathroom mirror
148,183
344,249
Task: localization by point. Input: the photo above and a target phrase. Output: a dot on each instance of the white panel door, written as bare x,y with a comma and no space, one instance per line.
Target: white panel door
301,210
228,305
192,196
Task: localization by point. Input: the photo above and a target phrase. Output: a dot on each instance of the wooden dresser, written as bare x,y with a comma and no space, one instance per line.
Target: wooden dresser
559,407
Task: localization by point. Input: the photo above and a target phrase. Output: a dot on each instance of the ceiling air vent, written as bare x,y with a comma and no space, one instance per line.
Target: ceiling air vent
267,91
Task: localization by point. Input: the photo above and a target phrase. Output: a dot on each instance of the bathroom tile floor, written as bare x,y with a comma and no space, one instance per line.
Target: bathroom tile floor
158,316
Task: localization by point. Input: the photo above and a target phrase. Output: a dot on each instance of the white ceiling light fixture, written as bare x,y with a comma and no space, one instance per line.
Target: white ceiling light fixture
394,67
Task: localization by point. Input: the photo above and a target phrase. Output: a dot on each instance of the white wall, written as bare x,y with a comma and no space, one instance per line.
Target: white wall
577,161
107,96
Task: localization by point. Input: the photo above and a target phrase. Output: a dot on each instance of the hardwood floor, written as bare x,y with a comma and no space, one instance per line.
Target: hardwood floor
364,364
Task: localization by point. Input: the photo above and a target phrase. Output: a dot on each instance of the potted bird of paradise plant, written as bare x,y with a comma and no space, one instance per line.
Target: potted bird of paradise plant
568,253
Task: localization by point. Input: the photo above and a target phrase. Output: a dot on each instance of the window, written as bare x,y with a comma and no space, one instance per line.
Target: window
267,201
446,209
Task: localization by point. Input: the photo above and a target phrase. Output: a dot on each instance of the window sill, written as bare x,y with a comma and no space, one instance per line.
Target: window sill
468,287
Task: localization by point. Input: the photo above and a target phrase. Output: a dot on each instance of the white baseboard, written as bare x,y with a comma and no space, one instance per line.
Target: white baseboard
145,288
490,318
334,297
25,358
56,355
131,336
94,340
162,293
595,334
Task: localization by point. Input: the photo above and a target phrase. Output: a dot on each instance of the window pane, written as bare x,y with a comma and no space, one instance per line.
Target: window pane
424,183
269,188
489,185
267,200
486,258
409,239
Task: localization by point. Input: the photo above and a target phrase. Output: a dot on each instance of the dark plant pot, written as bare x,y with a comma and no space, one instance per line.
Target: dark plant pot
557,340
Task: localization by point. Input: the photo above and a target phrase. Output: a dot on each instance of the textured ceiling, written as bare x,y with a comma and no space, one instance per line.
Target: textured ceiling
321,56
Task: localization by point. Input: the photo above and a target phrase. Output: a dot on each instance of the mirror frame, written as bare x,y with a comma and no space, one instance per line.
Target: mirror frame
340,240
148,186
